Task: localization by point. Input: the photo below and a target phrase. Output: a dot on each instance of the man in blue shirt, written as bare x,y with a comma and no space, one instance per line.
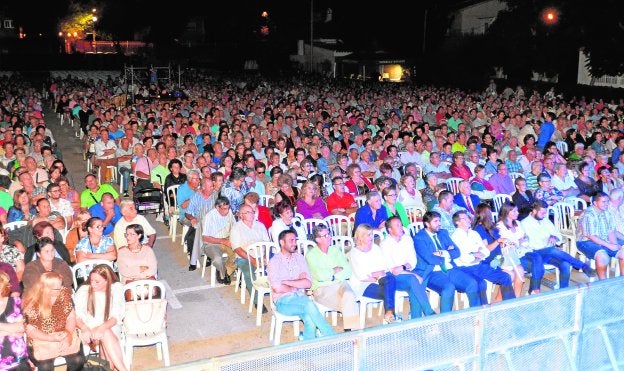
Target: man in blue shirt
546,131
108,211
372,213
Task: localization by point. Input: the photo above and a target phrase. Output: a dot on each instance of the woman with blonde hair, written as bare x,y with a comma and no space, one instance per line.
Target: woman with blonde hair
13,353
100,309
51,324
372,277
309,204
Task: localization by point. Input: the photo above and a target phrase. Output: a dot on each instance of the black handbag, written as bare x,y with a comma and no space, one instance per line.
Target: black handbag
95,363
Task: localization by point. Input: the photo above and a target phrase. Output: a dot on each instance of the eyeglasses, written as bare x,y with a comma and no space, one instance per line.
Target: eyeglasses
391,194
130,234
324,235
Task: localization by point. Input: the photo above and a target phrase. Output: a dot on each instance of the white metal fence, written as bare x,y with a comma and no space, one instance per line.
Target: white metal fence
571,329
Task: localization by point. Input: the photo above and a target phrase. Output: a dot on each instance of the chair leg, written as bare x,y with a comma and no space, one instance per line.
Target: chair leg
165,350
362,314
251,299
278,332
159,353
128,354
259,308
272,330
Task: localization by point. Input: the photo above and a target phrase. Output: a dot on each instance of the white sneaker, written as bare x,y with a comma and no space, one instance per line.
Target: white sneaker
159,218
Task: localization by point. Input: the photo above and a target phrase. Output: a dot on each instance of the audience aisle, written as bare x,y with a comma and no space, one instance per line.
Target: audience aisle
196,328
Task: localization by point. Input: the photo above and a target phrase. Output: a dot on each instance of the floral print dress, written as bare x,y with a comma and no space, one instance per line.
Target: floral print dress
12,349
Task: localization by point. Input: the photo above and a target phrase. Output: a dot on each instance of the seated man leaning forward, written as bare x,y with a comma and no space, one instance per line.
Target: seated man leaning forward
289,277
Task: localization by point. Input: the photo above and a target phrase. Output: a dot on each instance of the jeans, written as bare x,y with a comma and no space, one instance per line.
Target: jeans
384,291
445,285
125,174
563,261
532,262
304,307
419,303
243,265
483,271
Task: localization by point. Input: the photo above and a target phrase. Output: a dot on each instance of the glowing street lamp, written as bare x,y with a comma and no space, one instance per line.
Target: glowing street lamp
550,16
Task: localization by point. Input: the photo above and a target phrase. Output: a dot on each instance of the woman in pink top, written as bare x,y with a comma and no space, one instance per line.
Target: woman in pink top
309,205
459,169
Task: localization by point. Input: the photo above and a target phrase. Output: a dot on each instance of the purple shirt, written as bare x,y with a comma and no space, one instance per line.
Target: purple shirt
282,268
308,211
502,183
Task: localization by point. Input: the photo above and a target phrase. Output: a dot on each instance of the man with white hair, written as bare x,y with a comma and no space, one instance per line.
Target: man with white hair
616,197
129,216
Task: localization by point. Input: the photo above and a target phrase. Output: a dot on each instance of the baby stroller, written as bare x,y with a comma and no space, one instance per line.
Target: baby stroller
148,201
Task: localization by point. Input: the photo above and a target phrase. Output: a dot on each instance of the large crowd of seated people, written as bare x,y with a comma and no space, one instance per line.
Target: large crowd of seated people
440,191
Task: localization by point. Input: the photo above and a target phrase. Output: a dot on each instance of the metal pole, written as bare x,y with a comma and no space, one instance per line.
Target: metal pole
311,34
424,32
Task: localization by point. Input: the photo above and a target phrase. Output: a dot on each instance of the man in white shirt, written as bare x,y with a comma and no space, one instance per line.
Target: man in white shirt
545,239
398,248
244,232
105,154
130,216
216,238
473,259
410,155
60,205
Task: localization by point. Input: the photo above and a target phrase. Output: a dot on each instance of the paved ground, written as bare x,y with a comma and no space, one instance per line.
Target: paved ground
203,321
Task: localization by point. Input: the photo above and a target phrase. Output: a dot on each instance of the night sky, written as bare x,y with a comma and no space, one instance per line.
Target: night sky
395,27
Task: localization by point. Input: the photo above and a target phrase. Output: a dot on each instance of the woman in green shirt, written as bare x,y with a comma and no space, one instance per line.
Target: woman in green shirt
393,207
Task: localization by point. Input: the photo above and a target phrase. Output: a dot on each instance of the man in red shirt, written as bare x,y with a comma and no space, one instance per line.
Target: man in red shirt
340,202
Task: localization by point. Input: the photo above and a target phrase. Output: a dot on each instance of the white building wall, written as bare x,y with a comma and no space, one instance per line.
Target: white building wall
584,77
475,19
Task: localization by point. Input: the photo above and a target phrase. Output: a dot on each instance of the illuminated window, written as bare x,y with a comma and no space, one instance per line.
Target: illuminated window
8,23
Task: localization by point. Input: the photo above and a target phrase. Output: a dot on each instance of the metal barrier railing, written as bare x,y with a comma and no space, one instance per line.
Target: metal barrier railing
575,328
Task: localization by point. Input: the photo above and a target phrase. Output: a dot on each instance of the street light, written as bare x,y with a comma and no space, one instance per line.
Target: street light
94,19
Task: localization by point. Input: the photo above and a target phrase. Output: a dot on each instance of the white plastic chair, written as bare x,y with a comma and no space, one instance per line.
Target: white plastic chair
360,200
113,171
304,245
499,200
563,220
414,213
494,217
174,211
83,269
515,176
277,320
344,242
452,184
14,225
364,308
379,234
309,224
577,202
562,147
414,227
260,252
213,270
266,200
339,225
158,338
